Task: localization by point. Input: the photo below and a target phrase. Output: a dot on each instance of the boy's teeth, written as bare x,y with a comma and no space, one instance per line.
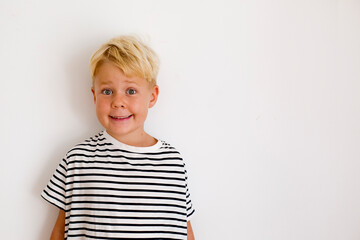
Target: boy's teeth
121,117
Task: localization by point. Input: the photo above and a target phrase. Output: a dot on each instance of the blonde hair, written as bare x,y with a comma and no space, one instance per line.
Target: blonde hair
129,54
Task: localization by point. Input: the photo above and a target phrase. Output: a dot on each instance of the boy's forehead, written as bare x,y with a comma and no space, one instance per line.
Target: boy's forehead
124,80
110,73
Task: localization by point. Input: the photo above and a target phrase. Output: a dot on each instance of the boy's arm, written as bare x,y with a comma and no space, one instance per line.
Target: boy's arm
190,233
59,228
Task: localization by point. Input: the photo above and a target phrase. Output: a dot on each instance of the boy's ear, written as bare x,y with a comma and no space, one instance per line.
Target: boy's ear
93,92
154,96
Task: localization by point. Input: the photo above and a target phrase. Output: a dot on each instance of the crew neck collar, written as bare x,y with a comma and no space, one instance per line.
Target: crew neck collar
124,146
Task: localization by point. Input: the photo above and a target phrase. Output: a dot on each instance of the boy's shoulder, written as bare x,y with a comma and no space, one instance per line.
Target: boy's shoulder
103,142
97,140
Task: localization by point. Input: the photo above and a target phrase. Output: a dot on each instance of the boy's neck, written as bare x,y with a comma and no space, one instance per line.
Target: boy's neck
141,140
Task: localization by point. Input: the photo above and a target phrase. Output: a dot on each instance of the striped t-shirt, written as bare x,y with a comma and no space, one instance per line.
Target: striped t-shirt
110,190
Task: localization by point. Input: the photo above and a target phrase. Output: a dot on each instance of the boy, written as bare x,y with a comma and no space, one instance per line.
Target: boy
122,183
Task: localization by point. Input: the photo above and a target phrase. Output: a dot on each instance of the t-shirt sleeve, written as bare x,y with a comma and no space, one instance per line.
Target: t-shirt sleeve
54,192
189,205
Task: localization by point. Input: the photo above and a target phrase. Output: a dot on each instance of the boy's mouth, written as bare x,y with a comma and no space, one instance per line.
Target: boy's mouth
121,117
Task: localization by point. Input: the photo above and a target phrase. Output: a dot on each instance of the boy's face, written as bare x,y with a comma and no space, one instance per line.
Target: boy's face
122,102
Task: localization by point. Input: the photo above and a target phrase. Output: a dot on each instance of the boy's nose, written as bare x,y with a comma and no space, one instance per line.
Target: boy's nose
118,101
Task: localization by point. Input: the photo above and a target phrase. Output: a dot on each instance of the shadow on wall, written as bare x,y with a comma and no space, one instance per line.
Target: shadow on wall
80,102
79,81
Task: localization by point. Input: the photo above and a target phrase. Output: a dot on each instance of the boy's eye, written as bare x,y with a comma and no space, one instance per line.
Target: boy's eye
107,92
131,91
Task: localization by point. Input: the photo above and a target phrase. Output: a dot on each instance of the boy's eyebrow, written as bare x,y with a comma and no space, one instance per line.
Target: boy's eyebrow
126,81
105,82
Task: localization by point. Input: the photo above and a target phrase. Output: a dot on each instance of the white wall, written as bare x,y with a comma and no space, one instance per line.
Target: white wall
261,97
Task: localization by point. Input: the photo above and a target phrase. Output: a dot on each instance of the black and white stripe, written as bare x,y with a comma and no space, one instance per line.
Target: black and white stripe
110,190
